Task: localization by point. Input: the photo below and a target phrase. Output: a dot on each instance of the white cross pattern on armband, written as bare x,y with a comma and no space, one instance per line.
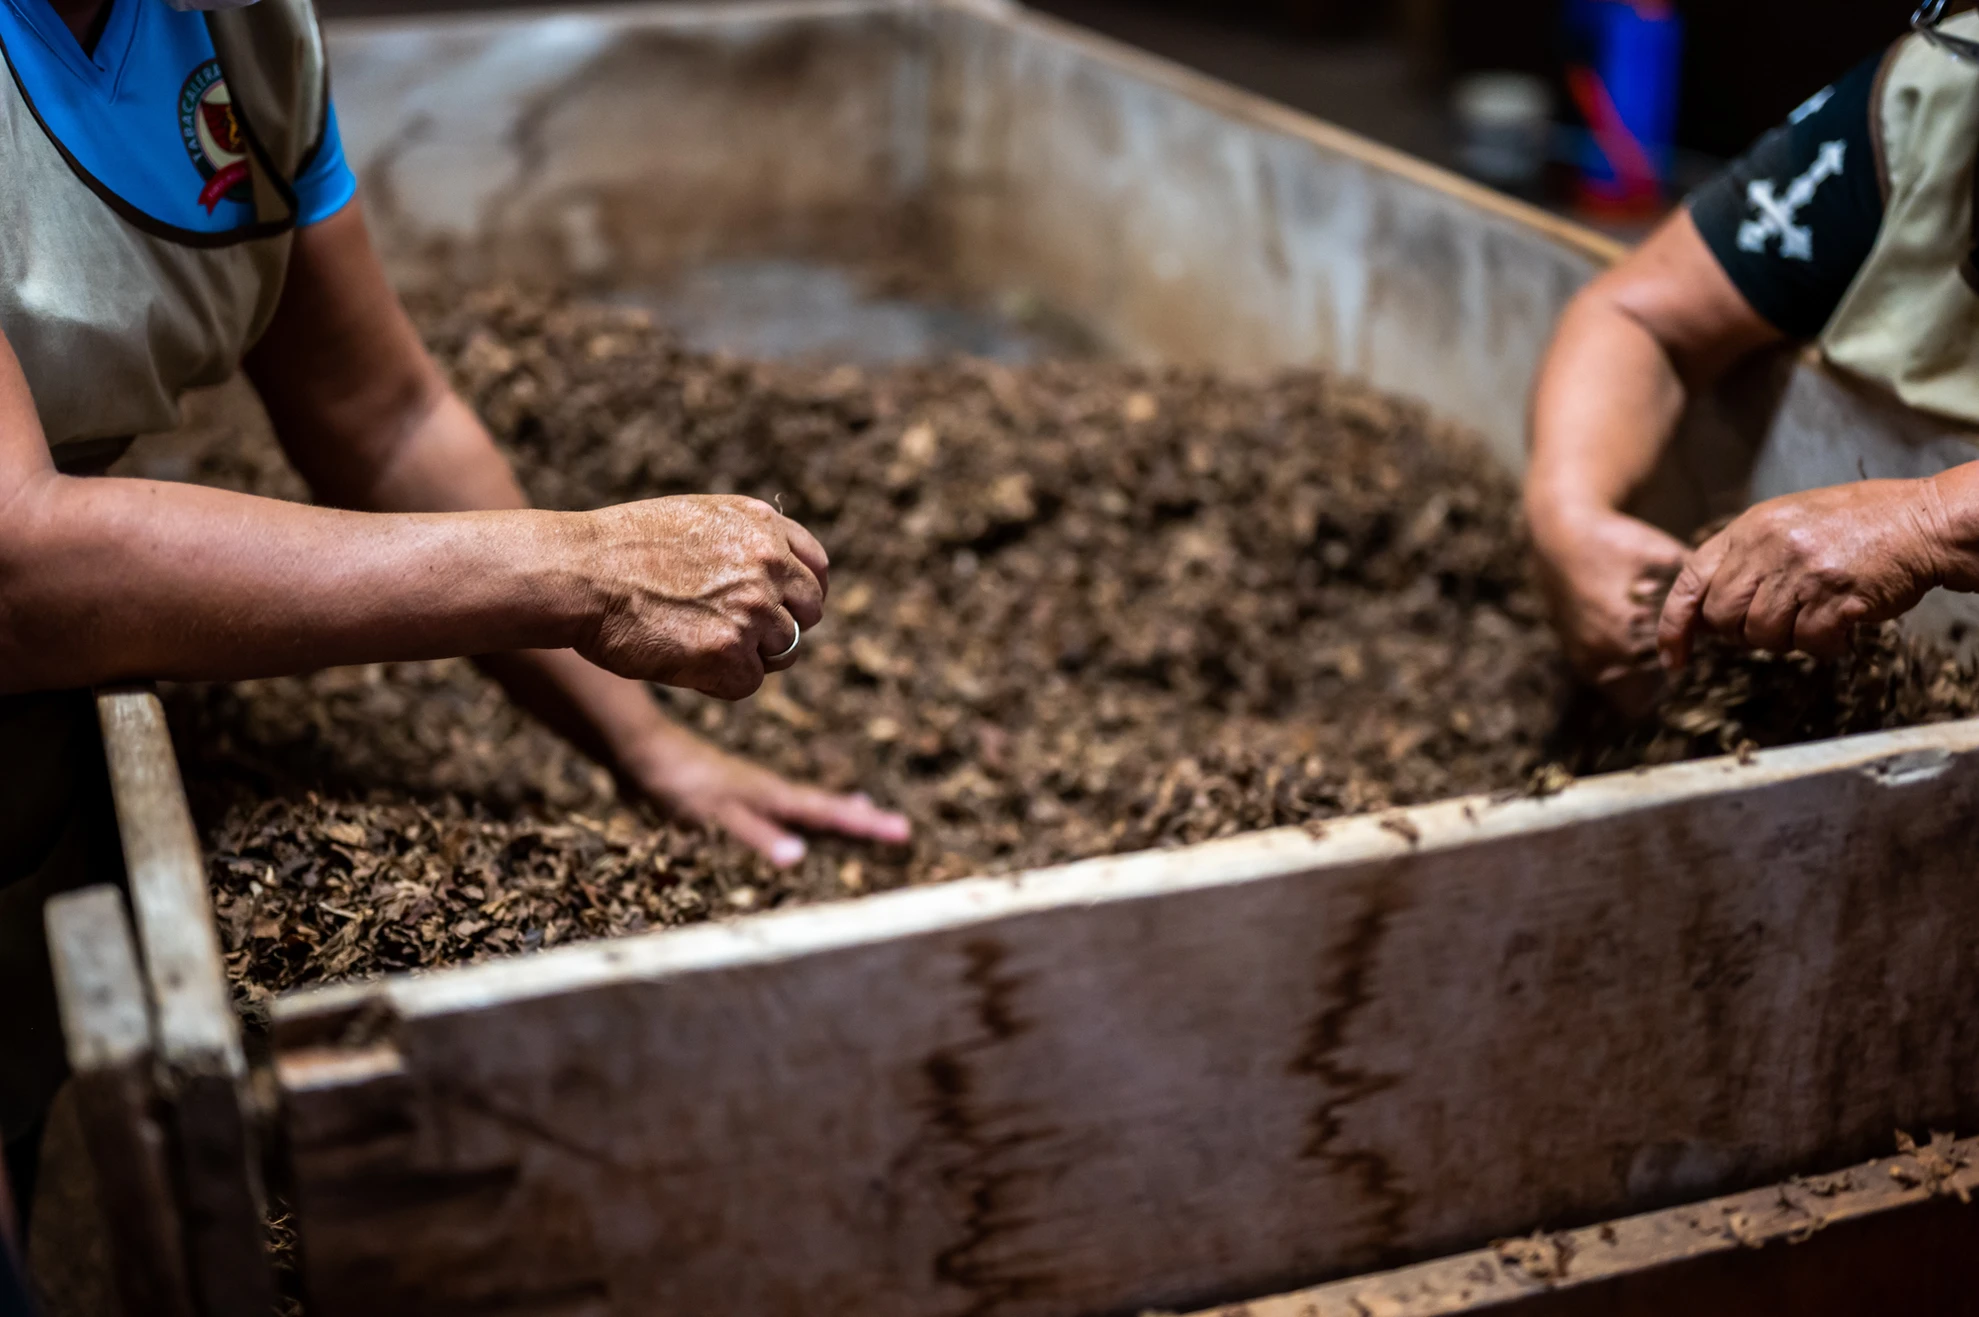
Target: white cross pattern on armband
1773,216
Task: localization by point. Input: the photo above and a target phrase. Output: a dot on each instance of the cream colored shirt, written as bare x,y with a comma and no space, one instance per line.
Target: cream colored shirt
1910,320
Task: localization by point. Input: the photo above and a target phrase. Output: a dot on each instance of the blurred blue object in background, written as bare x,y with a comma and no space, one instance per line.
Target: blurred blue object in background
1624,68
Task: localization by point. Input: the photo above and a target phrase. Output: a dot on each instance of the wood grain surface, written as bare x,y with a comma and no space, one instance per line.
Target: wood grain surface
106,1020
1167,1079
202,1068
1897,1235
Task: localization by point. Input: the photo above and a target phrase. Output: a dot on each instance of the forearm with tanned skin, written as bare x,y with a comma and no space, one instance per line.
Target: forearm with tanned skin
1954,495
103,578
1632,348
367,418
1606,404
426,550
1798,572
1628,353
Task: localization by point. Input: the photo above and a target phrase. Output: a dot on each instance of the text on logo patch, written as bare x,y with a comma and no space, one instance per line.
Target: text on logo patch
212,136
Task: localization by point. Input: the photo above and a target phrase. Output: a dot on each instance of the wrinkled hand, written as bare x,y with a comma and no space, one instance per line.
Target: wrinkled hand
701,591
697,781
1800,572
1605,574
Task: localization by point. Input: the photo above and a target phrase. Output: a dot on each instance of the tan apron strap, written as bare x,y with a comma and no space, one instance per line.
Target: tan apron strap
271,55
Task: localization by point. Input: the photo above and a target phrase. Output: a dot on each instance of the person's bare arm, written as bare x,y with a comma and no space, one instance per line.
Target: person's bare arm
1632,348
369,421
104,579
1793,573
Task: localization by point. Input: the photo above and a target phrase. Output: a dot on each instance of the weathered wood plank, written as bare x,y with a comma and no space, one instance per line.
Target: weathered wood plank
1172,1078
981,138
107,1024
1238,233
794,130
1894,1235
197,1029
203,1068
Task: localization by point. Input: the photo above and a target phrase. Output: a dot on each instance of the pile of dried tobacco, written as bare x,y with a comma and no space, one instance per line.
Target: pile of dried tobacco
1731,700
1077,609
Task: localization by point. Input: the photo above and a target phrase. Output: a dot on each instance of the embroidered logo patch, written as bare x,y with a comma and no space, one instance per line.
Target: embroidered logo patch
212,137
1776,216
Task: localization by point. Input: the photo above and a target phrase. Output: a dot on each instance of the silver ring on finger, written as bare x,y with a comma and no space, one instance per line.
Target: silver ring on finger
796,639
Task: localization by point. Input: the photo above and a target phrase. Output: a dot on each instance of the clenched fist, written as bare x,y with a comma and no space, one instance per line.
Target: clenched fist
706,592
1605,574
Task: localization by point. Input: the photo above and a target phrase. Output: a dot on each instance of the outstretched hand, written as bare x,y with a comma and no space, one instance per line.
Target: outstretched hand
759,808
1801,572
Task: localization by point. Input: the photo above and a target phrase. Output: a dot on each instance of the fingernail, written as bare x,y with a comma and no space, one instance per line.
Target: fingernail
862,797
787,852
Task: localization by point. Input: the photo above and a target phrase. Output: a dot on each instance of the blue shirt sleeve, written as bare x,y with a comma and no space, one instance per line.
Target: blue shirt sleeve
326,184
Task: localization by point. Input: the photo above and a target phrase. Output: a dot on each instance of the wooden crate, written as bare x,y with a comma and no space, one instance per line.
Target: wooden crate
1156,1081
1160,1080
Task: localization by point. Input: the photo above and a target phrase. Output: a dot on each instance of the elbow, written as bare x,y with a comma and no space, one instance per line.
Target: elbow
352,449
1604,305
394,437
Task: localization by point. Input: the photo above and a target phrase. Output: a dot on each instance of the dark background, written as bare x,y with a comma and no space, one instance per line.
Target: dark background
1383,66
1746,62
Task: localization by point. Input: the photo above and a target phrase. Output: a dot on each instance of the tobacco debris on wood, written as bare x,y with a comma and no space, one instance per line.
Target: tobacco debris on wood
1077,609
1935,1165
1734,702
1542,1257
